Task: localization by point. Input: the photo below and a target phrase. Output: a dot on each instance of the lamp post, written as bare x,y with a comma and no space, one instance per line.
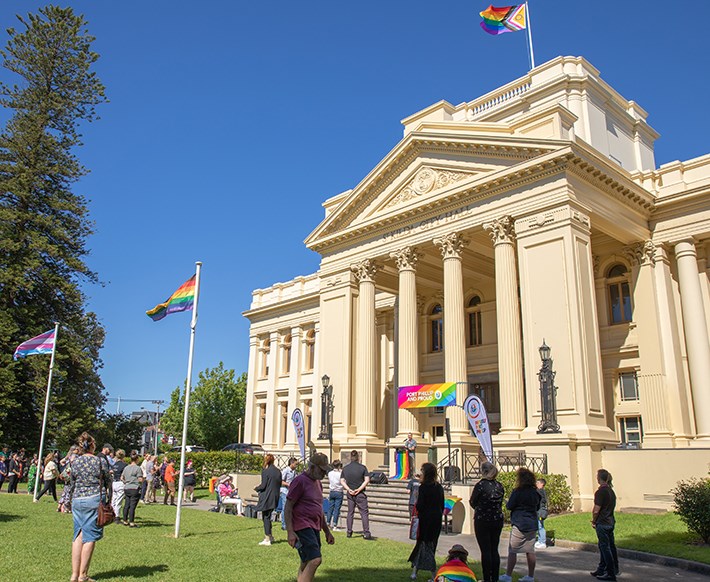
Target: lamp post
239,430
548,393
326,413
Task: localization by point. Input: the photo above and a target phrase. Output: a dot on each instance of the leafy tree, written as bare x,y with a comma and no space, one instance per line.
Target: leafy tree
119,430
44,227
217,403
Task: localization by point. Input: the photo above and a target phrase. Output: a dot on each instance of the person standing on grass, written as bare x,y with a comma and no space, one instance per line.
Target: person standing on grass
118,486
355,478
287,475
523,505
169,483
304,516
144,470
430,510
3,470
132,476
487,502
189,482
603,522
269,491
541,543
335,495
32,475
51,472
89,476
14,472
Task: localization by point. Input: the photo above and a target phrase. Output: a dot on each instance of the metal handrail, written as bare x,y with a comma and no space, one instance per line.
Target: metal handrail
505,462
450,460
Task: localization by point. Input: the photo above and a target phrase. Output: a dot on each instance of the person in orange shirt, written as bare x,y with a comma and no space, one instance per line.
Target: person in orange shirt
169,483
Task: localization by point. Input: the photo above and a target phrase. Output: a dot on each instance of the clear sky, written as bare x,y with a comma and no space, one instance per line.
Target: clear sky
230,122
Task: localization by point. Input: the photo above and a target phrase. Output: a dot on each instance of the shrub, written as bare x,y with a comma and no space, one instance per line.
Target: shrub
215,463
692,504
559,494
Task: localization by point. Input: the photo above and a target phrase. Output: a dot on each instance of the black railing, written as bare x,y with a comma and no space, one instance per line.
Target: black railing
448,468
505,461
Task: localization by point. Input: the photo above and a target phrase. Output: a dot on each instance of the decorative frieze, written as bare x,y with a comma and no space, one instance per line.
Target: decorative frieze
427,180
451,245
501,231
406,258
365,271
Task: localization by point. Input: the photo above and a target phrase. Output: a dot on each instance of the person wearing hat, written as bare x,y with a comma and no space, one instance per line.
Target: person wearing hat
229,494
304,516
455,568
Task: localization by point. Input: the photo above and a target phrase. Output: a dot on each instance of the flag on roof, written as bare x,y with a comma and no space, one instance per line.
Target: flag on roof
498,20
42,344
182,300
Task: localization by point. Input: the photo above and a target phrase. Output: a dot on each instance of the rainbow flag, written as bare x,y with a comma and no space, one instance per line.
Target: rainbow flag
182,300
41,344
499,20
402,465
455,571
427,395
449,503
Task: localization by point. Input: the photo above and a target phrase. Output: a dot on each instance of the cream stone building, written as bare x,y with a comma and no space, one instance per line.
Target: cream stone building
535,212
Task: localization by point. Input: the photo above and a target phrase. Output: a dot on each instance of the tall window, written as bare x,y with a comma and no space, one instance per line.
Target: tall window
628,385
631,429
436,321
310,349
262,423
286,352
474,321
284,424
619,294
265,349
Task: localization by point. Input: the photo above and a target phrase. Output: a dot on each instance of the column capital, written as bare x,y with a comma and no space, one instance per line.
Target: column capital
406,258
685,248
451,245
641,254
365,271
502,230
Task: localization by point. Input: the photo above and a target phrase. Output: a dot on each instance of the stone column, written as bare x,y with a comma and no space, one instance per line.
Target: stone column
408,342
696,334
251,420
271,407
294,375
510,349
366,372
451,246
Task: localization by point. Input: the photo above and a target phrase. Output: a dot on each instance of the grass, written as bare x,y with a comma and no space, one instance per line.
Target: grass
661,534
36,544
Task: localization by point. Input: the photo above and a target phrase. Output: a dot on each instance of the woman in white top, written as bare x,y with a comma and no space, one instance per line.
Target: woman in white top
335,498
50,477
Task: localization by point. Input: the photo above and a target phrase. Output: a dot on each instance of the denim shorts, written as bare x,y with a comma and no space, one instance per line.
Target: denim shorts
85,511
308,545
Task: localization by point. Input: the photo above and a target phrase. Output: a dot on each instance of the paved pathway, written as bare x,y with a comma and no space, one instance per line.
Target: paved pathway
553,564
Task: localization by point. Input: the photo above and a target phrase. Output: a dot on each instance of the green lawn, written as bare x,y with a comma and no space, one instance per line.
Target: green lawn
36,544
659,534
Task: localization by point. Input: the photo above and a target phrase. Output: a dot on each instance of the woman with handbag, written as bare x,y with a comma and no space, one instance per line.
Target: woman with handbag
89,480
430,509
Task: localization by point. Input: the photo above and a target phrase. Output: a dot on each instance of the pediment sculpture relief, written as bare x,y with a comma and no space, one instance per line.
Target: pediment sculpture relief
427,180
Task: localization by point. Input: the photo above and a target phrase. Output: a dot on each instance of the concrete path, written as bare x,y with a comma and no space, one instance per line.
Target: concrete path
553,564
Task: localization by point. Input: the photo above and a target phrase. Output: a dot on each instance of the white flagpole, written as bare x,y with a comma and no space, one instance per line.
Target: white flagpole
193,325
529,29
46,411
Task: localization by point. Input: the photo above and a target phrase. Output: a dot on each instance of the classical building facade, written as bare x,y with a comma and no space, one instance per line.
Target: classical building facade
533,213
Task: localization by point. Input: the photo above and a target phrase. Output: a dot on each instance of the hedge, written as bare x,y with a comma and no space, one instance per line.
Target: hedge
559,494
215,463
692,504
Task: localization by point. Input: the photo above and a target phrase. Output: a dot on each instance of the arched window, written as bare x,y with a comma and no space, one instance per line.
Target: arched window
265,349
436,321
310,349
617,285
286,354
474,321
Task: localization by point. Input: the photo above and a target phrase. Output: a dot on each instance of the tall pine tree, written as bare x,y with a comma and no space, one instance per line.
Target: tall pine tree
44,227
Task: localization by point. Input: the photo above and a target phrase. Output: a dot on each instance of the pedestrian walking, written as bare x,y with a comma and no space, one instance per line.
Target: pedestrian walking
430,510
269,491
487,502
603,522
335,495
49,475
355,478
131,477
304,516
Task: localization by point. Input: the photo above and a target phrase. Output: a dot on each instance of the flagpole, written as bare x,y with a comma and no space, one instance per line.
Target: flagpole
530,42
46,410
193,325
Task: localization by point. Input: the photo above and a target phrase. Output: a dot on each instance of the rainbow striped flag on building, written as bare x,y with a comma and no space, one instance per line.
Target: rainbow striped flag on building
182,300
499,20
42,344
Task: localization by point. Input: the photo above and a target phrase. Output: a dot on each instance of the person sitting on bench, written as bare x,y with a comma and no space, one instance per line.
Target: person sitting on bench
229,495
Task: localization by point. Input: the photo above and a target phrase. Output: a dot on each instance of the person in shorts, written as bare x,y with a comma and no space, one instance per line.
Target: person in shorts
304,516
523,504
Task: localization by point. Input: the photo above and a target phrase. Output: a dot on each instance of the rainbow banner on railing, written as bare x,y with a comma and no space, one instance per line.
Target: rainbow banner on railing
449,502
426,395
401,459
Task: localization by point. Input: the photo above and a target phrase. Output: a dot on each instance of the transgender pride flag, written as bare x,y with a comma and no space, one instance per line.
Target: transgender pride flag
42,344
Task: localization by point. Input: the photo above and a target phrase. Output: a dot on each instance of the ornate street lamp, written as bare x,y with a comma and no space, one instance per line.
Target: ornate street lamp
548,393
326,413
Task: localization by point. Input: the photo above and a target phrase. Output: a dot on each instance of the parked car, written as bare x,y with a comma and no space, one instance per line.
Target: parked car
189,449
248,448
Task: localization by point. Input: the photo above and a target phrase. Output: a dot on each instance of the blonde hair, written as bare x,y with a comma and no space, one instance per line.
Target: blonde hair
488,471
86,443
120,454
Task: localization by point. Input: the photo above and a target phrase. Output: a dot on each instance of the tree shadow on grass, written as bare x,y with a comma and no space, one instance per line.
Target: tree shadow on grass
10,517
133,572
150,523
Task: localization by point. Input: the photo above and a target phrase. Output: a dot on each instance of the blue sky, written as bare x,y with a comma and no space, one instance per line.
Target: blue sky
230,122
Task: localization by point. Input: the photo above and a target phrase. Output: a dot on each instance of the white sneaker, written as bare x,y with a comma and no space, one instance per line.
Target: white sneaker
505,578
527,579
266,542
335,528
540,546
